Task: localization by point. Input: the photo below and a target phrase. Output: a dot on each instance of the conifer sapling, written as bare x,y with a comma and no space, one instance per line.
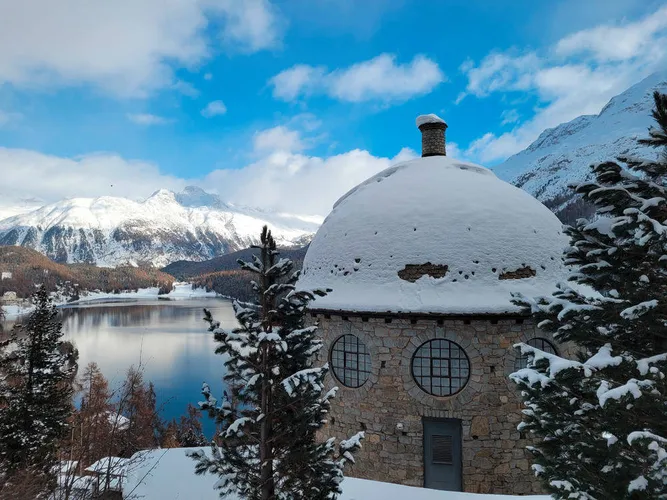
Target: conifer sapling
266,447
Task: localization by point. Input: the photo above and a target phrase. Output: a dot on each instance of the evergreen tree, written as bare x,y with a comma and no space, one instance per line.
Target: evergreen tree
601,420
36,386
266,448
189,430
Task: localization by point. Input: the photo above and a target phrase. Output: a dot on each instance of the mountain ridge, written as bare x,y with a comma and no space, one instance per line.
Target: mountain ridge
562,155
111,231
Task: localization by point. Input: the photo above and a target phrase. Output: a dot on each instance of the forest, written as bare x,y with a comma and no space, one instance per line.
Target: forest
29,267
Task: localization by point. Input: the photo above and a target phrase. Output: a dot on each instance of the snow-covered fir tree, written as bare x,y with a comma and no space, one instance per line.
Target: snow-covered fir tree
267,448
601,420
37,371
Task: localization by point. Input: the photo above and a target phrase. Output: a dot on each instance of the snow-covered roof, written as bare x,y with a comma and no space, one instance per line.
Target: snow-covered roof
65,466
425,214
117,420
430,118
169,474
114,465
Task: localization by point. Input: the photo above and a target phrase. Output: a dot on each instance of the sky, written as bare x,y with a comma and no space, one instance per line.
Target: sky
287,104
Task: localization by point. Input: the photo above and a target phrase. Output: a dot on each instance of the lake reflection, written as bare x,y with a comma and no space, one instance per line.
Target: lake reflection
169,338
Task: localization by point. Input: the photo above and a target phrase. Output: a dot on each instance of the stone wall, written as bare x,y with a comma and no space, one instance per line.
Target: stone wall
494,456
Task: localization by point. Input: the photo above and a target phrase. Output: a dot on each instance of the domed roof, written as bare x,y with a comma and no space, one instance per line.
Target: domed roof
434,235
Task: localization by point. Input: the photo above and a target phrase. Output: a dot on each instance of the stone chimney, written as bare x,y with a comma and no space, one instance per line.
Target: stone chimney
433,129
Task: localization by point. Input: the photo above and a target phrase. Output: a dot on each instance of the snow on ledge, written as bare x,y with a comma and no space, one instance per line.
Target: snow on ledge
169,474
430,118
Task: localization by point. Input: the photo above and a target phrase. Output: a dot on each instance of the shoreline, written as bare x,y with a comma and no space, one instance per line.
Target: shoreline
181,291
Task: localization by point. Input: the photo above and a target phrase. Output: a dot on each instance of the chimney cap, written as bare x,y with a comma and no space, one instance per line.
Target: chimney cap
431,120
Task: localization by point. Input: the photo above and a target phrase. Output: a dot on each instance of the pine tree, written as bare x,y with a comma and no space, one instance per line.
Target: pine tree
36,386
601,420
267,448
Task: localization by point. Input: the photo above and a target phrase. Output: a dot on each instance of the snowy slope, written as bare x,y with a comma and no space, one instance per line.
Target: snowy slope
167,226
168,474
563,155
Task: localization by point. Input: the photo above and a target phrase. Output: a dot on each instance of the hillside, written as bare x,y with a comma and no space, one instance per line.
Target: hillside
166,227
188,269
29,267
563,154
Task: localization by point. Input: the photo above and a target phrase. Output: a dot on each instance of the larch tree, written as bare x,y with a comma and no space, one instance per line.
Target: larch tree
142,423
601,420
266,447
93,422
37,371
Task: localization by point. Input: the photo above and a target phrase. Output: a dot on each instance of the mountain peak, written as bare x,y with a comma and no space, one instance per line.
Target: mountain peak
166,227
194,196
562,155
162,194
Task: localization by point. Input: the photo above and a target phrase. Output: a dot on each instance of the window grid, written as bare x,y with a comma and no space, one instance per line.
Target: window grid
350,361
440,367
521,360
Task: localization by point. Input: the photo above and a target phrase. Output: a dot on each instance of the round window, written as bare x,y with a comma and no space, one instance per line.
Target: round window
350,361
521,360
440,367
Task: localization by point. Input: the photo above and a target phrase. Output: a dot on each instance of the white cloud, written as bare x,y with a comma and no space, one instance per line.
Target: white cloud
279,177
125,47
29,174
298,80
509,116
185,88
578,75
147,119
297,183
616,43
9,117
214,108
278,138
282,178
251,25
208,76
380,78
499,71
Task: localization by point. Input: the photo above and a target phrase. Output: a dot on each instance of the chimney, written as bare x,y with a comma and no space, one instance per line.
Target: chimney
433,129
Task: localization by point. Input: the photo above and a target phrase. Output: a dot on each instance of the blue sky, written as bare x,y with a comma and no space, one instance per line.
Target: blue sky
300,98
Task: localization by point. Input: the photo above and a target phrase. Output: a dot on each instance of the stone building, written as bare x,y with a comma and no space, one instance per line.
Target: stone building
419,327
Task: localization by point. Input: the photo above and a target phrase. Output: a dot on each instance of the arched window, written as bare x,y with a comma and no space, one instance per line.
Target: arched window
440,367
521,360
350,361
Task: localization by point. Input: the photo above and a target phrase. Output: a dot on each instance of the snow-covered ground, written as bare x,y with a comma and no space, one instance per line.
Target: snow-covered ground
179,292
168,474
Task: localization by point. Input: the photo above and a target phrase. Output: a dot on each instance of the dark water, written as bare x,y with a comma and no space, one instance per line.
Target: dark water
168,338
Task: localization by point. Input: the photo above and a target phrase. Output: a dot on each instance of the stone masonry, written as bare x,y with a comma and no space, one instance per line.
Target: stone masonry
433,139
412,272
494,455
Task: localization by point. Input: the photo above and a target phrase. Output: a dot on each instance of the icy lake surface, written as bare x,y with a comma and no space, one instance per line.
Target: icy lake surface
169,338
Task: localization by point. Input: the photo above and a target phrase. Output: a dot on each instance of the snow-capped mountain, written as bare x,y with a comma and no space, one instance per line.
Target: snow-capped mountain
166,227
563,155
